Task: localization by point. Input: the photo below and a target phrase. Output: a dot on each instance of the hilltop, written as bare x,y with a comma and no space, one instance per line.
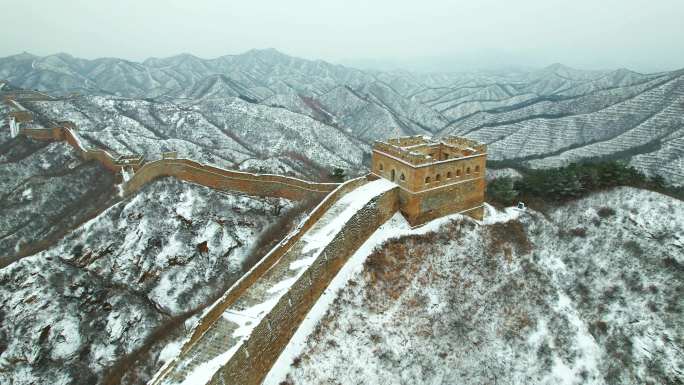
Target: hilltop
589,292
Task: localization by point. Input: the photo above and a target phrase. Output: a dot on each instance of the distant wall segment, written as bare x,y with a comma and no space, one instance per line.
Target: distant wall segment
222,179
187,170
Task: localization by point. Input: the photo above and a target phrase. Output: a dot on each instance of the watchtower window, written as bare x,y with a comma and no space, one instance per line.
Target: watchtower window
446,156
427,179
458,173
477,169
402,177
448,174
381,167
438,178
394,174
467,170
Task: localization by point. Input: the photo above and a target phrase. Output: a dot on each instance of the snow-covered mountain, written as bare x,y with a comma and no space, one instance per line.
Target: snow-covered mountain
101,305
541,118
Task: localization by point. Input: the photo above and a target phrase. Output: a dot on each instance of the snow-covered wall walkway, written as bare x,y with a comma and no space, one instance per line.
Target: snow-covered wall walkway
243,343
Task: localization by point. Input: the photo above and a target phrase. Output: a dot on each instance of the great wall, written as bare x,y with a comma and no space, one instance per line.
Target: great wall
241,335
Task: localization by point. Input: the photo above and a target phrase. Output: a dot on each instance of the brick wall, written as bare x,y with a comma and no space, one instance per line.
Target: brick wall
62,134
214,177
252,361
191,171
269,260
466,197
42,133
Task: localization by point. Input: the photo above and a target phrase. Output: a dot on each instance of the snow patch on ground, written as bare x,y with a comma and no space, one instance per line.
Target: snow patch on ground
68,338
27,194
203,373
492,215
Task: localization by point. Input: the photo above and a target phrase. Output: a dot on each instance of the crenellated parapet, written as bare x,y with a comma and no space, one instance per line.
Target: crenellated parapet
407,141
412,157
465,143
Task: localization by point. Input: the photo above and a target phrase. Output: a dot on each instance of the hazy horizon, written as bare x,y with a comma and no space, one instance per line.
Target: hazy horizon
417,66
433,36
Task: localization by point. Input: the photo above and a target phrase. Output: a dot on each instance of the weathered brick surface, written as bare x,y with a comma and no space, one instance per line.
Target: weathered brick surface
466,197
42,133
60,133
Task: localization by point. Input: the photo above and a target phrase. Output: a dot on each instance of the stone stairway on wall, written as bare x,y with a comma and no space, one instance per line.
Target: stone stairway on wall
208,348
258,324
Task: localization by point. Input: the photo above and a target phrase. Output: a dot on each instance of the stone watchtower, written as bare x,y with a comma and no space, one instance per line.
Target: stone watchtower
436,177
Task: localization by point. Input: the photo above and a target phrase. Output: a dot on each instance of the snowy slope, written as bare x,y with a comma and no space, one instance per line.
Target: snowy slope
589,293
45,191
120,286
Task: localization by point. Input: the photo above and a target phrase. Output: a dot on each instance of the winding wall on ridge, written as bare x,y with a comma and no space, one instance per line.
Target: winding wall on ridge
222,179
268,185
253,359
60,133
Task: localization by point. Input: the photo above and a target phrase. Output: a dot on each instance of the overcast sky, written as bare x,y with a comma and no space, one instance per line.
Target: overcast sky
417,34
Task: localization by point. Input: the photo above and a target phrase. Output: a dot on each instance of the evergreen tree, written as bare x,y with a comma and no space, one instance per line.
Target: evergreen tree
338,175
502,190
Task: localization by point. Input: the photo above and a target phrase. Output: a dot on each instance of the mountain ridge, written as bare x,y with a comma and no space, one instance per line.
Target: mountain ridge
560,107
